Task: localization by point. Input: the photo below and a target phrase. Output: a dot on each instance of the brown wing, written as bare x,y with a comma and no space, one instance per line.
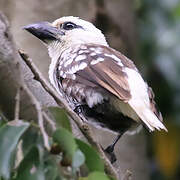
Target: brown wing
104,68
108,75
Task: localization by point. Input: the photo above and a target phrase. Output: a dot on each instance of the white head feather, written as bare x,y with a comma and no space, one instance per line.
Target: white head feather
87,34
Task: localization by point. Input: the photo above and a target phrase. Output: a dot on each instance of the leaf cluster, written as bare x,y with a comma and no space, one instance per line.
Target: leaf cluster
23,155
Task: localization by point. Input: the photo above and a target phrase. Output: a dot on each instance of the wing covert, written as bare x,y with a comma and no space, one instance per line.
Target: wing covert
98,66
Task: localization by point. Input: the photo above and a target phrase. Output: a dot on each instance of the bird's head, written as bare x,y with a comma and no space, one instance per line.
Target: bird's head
65,32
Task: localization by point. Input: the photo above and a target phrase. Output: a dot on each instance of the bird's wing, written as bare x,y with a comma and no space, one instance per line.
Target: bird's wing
108,75
103,66
99,66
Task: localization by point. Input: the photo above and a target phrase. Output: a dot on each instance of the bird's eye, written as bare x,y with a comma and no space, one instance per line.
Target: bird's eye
69,26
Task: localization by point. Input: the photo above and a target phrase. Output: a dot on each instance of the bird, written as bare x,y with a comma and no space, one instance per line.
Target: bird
96,80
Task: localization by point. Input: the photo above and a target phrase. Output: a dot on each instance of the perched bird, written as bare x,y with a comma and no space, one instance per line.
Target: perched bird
96,80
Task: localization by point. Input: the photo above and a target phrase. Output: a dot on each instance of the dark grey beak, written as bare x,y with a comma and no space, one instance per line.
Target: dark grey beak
44,31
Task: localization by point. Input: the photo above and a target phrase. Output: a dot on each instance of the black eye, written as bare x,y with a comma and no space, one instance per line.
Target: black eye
69,26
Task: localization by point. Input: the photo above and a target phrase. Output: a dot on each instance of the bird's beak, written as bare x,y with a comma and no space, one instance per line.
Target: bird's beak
44,31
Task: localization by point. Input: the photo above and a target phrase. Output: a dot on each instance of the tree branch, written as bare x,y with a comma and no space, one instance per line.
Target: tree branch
39,115
17,105
52,123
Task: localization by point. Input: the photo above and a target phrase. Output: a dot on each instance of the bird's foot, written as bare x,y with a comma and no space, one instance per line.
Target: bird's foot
110,153
78,109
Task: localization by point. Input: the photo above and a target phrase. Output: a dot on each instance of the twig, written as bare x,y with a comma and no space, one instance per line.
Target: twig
39,114
17,105
128,175
52,123
19,154
60,101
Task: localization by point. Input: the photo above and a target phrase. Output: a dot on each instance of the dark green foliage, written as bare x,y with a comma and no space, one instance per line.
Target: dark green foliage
89,153
9,138
67,159
61,118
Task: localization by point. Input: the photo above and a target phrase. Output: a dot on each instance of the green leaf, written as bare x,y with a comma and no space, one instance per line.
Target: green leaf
52,168
111,178
92,159
66,142
78,159
98,176
30,138
83,178
61,118
2,122
176,11
9,137
3,119
52,172
31,168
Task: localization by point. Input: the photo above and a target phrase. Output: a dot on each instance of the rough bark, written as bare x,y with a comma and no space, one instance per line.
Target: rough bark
13,72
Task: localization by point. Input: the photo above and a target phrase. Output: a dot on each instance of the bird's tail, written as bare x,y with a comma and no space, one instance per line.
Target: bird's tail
149,118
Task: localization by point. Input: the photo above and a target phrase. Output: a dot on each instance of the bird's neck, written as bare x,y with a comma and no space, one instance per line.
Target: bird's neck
55,53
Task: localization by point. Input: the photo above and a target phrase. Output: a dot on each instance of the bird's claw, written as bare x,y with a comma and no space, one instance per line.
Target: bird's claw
78,109
110,152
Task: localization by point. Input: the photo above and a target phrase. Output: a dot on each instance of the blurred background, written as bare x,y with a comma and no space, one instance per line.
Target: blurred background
158,24
148,32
